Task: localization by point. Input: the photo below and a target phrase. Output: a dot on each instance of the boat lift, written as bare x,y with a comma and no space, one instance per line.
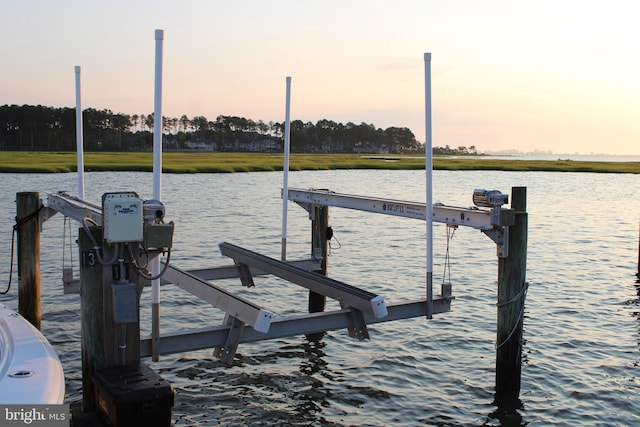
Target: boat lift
250,322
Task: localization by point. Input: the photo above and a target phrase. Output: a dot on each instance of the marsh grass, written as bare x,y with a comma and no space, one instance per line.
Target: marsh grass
201,162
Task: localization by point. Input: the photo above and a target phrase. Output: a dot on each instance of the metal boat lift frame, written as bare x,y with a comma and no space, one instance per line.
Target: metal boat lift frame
249,322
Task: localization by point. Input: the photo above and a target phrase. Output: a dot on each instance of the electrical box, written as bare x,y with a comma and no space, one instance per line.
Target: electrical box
158,236
122,217
125,302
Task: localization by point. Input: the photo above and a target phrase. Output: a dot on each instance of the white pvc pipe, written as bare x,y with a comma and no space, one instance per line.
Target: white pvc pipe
285,169
428,154
79,135
157,119
157,192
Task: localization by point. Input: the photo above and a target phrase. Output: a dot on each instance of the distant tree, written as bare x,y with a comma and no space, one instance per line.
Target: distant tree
200,124
277,129
30,127
400,140
143,122
134,121
172,123
185,123
149,121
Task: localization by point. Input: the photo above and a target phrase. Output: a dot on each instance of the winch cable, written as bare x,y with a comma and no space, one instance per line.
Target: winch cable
67,227
447,260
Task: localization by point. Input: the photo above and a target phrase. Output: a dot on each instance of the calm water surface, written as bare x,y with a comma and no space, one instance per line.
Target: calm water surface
581,330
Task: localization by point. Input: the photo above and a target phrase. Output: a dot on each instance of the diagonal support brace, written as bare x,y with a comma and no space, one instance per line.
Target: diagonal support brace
246,278
228,351
357,325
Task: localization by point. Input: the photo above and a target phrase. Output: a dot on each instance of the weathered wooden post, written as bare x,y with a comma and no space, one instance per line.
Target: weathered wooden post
319,249
102,338
91,318
27,222
512,290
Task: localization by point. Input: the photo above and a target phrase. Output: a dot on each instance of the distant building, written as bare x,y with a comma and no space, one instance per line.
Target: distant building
201,145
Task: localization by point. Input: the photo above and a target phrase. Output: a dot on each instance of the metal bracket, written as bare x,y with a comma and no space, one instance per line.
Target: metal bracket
445,290
71,284
500,236
45,213
357,325
228,352
246,278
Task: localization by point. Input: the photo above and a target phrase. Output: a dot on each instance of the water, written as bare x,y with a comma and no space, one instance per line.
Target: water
581,327
554,157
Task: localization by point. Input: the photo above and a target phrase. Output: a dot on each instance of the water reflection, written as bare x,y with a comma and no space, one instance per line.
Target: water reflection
313,397
506,412
636,302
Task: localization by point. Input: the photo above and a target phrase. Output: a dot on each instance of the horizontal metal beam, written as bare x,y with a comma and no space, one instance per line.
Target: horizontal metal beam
231,271
74,207
247,312
216,336
348,295
481,219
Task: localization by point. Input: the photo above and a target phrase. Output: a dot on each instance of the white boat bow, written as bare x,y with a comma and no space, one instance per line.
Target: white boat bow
30,371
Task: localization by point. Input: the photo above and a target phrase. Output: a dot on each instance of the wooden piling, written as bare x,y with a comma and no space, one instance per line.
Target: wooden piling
319,249
101,335
511,297
27,222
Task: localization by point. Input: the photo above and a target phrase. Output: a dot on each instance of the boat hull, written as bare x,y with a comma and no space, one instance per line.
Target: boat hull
30,370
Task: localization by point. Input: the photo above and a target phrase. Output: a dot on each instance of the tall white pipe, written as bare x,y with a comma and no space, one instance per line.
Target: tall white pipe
157,193
428,154
79,135
157,119
285,183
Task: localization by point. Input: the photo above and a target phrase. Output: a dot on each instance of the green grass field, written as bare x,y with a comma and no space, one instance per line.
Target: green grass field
200,162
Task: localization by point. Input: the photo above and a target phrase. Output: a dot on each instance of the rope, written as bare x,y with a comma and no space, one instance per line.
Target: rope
522,293
514,299
16,228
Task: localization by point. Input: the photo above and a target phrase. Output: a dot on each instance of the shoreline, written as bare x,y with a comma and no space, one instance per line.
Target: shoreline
227,162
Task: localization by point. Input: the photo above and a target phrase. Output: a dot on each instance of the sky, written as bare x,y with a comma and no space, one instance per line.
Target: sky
561,76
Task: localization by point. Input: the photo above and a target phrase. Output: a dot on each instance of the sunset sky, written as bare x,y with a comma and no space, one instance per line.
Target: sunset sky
547,75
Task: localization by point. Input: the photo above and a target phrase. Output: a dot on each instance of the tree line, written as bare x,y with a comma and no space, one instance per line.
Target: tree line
41,128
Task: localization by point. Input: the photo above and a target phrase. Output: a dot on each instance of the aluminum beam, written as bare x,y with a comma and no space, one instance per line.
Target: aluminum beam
312,323
74,207
481,219
231,271
247,312
348,295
